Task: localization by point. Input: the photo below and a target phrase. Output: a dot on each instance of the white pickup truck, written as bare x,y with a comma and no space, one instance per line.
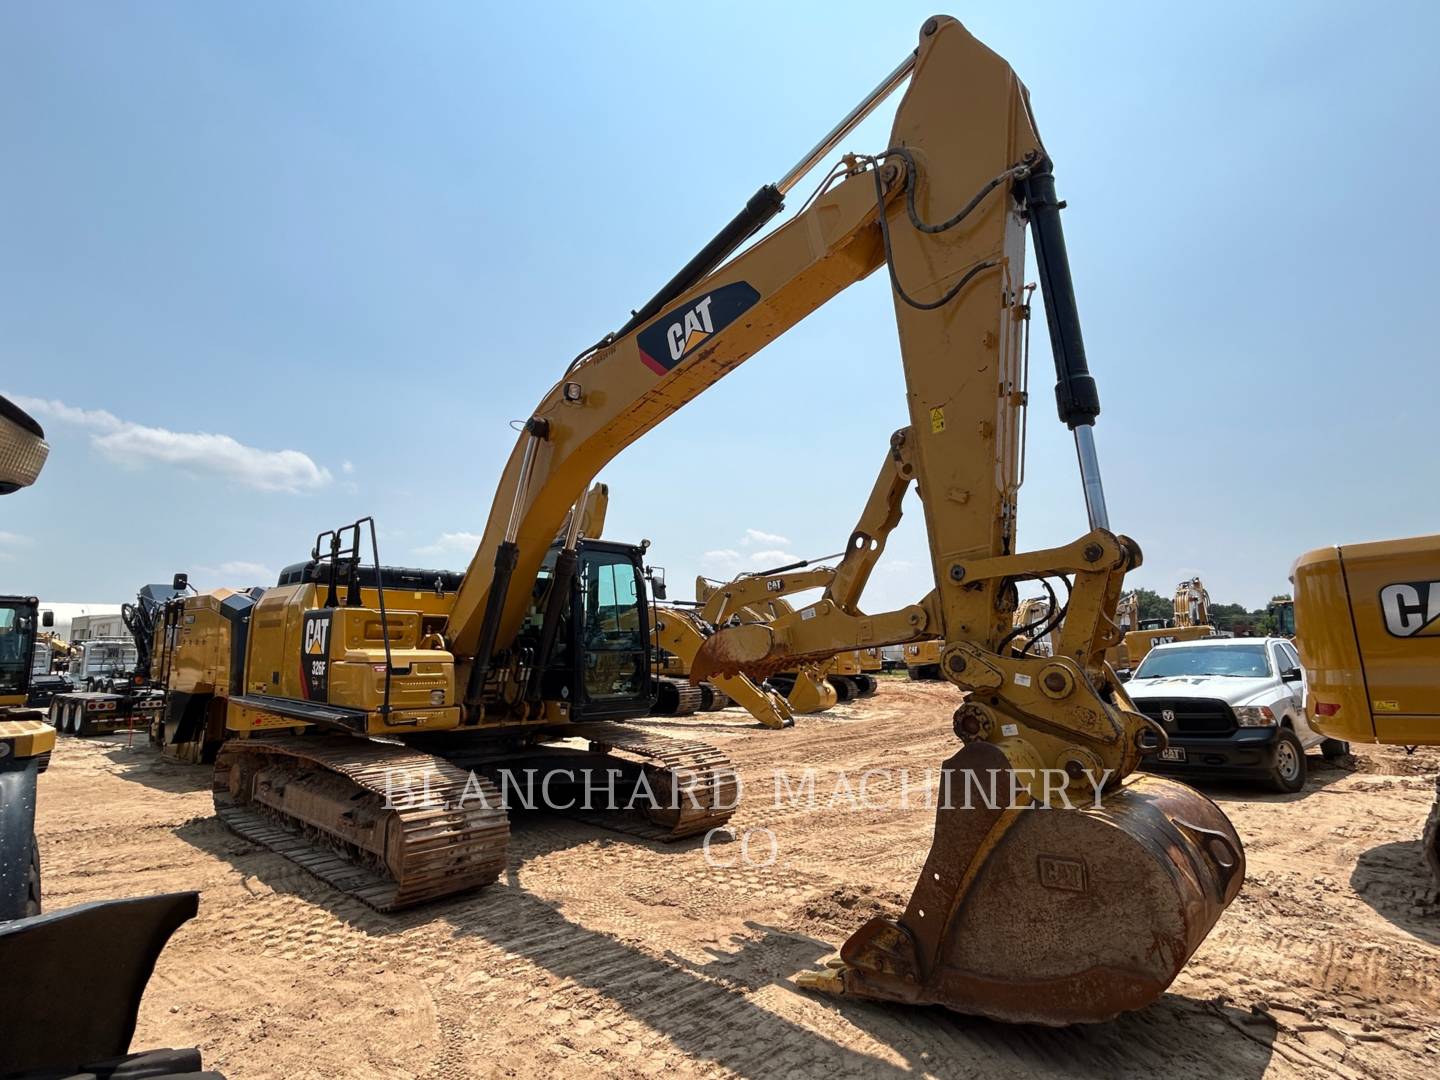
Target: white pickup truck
1231,706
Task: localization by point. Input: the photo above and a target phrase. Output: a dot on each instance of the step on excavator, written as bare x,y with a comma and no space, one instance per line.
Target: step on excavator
1025,910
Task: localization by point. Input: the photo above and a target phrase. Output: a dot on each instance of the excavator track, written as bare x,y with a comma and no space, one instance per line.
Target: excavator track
320,801
715,698
696,784
676,697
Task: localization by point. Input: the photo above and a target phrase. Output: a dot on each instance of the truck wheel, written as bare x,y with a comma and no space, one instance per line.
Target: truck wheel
913,673
32,879
1287,774
1334,749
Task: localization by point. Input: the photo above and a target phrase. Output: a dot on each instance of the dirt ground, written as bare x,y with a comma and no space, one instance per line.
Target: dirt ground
600,953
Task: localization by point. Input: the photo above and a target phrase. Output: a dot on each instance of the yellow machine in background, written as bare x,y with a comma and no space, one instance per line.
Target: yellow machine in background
680,633
1367,621
922,660
1191,622
760,597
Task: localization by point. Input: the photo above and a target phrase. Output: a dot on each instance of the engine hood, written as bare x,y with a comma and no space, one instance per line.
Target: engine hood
1228,688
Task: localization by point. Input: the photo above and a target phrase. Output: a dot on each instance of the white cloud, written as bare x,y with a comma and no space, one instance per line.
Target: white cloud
347,467
758,536
452,543
131,444
722,564
772,557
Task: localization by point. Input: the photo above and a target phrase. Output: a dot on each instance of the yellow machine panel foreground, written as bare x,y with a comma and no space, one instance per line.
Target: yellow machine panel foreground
1367,624
1062,886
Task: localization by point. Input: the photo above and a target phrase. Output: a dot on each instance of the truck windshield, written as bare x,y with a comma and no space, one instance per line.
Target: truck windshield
1247,661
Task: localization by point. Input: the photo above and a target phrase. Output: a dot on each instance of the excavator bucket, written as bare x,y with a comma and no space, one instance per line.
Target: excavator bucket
1048,915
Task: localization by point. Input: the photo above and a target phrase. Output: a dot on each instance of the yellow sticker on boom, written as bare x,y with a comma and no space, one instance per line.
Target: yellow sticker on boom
937,421
1386,706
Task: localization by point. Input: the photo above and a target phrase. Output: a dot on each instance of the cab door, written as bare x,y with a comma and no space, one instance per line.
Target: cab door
613,631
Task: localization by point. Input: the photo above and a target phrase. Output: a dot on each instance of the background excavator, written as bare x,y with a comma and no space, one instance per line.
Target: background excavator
1367,625
356,682
1191,621
762,596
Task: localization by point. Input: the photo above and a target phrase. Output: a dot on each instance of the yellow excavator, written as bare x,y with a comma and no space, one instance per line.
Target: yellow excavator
1190,622
369,708
678,634
761,596
1367,626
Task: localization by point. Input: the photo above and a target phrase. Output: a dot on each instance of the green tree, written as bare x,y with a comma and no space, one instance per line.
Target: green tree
1155,606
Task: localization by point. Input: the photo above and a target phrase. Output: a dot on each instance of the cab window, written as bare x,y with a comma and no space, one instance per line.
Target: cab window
611,628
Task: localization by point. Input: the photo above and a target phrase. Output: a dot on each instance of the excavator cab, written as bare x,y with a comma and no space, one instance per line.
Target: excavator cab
600,660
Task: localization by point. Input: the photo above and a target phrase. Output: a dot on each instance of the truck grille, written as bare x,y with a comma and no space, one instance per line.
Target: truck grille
1192,716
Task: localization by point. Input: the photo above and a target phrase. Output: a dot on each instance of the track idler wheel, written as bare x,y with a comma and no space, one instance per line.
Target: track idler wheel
1048,915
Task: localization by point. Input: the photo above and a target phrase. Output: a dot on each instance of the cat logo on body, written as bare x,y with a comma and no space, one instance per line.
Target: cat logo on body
1411,608
315,655
678,333
775,585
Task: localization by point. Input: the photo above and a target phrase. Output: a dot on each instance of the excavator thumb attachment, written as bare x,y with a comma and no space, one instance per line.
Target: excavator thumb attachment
1048,915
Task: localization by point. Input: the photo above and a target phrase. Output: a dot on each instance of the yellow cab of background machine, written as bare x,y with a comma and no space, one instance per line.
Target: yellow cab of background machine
1367,624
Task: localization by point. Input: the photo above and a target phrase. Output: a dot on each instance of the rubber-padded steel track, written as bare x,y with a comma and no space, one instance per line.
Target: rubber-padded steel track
715,698
446,844
695,782
676,697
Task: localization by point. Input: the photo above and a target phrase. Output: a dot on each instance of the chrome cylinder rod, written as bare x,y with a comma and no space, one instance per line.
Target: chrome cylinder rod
1090,477
522,486
823,148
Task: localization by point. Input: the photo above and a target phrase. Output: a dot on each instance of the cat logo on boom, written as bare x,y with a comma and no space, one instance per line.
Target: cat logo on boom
678,333
1411,608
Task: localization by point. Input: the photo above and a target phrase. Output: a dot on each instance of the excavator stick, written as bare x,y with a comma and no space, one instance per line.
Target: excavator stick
1006,895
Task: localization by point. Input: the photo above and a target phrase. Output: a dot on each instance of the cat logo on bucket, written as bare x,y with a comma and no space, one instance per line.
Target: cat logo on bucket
315,656
1411,608
674,336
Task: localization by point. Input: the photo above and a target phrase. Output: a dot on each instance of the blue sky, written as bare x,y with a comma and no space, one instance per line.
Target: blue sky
280,265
